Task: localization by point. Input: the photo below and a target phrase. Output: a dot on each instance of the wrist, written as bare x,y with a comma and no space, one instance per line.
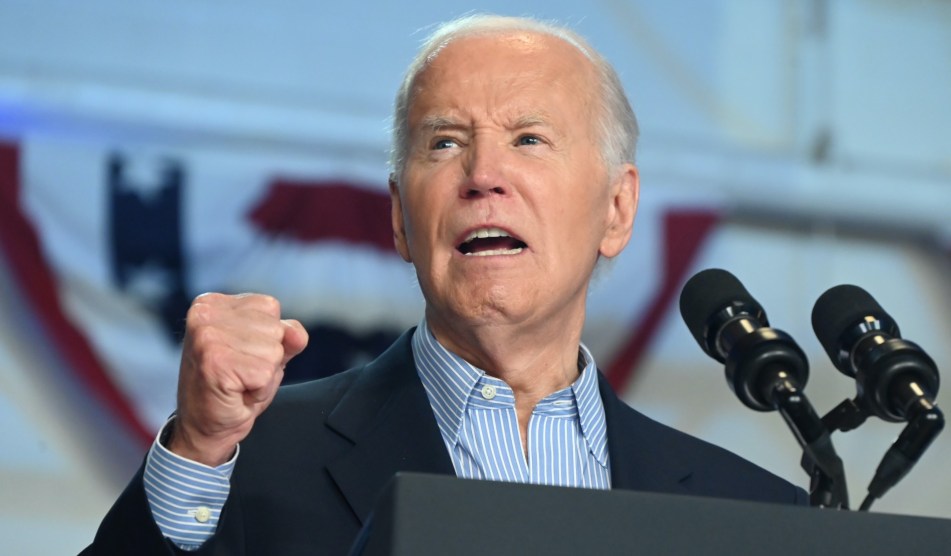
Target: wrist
183,442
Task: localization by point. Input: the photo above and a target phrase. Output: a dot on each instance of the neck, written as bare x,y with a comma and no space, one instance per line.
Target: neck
534,360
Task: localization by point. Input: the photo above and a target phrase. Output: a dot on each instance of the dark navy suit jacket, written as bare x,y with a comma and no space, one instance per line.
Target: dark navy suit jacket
310,472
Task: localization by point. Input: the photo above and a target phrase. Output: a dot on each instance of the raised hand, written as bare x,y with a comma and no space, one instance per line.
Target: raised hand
233,358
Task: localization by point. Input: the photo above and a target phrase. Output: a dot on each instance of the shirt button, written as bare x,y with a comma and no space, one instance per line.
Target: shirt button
202,514
488,391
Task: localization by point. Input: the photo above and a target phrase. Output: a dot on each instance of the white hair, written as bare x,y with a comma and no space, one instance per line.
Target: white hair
617,125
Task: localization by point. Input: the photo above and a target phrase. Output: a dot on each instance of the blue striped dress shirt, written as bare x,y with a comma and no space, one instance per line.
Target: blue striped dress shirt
186,497
567,435
567,441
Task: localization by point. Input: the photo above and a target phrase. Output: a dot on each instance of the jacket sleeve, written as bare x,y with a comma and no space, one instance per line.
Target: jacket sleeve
129,528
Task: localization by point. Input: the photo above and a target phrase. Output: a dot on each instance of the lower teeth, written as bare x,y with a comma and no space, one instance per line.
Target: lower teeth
491,252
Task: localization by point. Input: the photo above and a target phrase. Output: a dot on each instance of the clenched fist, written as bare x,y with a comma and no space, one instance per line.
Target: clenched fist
233,358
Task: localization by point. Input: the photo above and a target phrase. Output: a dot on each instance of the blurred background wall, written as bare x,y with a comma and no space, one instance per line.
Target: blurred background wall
151,151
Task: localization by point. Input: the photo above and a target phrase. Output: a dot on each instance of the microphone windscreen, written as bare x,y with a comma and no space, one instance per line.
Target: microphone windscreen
839,309
707,293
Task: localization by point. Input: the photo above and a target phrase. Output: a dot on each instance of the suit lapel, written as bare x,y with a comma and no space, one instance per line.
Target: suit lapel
639,460
388,417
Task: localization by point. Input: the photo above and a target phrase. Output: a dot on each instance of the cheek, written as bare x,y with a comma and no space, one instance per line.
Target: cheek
421,225
582,223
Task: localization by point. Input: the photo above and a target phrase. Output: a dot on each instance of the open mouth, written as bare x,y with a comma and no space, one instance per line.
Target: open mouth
486,242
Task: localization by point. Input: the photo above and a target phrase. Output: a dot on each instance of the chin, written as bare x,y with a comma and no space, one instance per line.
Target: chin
496,304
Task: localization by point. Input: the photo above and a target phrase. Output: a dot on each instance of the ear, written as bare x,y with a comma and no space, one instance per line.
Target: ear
624,193
396,216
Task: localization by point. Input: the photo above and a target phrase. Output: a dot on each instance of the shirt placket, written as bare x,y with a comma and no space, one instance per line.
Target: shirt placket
492,416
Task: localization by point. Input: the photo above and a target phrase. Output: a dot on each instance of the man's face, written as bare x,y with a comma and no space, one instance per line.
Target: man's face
504,203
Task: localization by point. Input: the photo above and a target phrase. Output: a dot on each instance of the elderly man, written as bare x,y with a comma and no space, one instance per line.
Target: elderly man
512,176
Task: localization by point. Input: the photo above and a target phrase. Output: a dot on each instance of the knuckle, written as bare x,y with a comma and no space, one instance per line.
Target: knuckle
209,297
203,336
212,360
275,353
199,313
268,304
275,330
228,382
258,378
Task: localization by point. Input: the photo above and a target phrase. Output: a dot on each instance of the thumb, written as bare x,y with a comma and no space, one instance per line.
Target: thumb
295,339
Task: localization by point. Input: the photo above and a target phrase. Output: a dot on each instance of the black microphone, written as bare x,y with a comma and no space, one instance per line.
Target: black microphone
895,379
765,368
732,328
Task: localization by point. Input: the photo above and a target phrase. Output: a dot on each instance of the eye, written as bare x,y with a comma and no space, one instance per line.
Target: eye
441,144
528,140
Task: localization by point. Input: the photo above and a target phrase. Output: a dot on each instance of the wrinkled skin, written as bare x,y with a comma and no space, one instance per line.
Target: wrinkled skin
501,135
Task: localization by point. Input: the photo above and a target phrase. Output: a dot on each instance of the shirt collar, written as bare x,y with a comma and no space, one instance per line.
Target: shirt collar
450,379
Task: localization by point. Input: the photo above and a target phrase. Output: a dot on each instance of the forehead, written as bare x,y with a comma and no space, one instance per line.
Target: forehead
519,71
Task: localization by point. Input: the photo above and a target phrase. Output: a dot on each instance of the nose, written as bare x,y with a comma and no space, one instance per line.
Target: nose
484,172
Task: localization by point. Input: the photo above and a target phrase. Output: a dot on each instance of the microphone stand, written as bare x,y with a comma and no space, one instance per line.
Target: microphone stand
925,422
921,430
765,369
828,488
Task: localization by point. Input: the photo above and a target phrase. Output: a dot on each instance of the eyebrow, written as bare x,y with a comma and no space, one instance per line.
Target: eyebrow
436,123
531,120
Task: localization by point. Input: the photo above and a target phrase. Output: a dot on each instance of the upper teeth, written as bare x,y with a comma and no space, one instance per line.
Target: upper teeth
486,232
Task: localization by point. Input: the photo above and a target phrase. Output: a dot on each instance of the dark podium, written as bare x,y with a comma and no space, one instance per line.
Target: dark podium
427,514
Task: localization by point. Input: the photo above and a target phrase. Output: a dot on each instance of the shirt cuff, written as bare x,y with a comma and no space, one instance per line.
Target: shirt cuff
186,497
